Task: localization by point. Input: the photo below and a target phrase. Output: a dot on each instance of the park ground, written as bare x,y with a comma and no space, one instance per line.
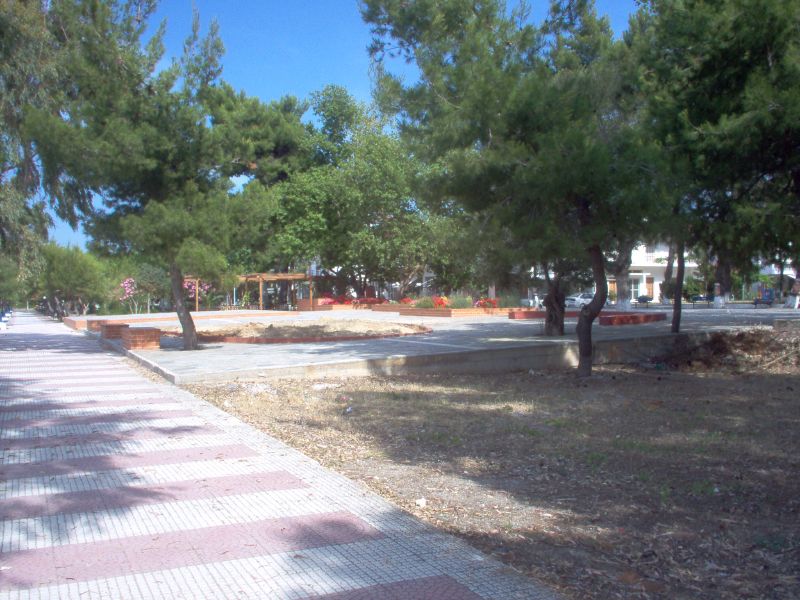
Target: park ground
675,478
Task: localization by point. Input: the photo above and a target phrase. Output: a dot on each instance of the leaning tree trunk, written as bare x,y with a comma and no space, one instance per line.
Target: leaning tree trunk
184,316
553,305
590,311
676,307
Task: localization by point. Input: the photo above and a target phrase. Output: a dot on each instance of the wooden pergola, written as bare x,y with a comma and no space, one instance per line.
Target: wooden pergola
262,278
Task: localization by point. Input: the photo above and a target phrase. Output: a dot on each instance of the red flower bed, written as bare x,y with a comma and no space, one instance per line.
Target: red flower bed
486,303
440,301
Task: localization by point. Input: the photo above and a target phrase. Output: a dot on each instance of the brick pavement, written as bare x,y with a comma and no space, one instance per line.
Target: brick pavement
115,486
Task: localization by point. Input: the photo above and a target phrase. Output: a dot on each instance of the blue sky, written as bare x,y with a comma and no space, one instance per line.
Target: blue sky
275,48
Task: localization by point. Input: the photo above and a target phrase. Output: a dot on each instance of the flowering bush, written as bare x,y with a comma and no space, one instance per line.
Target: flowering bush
325,301
406,300
128,289
189,286
486,303
440,302
130,294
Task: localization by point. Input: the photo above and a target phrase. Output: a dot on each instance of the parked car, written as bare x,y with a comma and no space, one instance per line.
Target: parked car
578,300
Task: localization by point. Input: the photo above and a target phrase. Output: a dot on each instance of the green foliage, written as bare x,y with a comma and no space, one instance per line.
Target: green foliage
544,140
668,289
163,146
508,300
693,287
460,301
71,279
724,96
424,302
12,288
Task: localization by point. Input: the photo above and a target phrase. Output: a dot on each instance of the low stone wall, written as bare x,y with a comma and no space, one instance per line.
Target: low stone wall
95,323
141,338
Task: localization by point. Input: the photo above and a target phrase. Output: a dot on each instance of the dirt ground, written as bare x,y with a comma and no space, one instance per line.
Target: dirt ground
319,328
671,479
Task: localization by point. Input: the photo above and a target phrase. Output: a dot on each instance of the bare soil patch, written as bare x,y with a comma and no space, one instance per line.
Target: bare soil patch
319,328
674,479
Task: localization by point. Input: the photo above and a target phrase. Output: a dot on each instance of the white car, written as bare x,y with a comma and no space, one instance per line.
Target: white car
578,300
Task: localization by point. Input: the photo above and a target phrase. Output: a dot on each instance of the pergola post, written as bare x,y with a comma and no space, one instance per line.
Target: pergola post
268,277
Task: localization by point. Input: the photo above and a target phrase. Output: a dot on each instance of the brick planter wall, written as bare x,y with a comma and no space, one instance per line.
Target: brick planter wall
631,318
141,338
386,307
303,305
448,312
538,314
112,331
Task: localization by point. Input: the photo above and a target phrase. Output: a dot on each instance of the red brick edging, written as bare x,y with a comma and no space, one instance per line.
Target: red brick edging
606,317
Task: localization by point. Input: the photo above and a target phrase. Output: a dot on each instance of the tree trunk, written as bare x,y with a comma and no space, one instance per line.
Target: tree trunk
184,316
670,260
723,276
553,305
676,307
623,288
621,269
590,312
668,271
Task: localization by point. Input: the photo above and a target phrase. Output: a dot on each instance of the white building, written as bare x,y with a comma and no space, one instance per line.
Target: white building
648,264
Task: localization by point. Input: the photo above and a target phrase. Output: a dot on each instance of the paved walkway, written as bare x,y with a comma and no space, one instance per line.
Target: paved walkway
116,486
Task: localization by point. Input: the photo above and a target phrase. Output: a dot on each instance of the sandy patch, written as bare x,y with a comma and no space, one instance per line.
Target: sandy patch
322,328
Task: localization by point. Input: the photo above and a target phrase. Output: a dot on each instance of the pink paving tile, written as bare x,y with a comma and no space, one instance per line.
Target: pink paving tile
139,433
140,554
135,495
114,417
427,588
59,384
124,461
55,405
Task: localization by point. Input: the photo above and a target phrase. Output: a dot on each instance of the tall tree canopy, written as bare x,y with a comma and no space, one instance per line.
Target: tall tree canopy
725,99
160,147
538,126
